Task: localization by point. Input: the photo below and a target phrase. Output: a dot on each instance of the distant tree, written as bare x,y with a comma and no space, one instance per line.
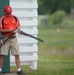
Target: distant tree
50,6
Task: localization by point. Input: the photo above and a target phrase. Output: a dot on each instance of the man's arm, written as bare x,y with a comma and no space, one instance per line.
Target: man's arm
18,29
5,31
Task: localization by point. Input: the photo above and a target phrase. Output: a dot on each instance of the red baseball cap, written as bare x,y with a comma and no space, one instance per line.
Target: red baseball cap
7,9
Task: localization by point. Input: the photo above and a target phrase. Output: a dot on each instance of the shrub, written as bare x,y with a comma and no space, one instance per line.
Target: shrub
57,17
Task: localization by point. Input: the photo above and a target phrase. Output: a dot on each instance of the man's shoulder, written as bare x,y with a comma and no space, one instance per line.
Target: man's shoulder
2,17
14,15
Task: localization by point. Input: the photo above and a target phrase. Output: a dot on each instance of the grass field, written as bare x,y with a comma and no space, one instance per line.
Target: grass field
59,39
56,54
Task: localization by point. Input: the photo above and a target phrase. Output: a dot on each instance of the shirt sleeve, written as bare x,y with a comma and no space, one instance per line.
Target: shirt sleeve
0,24
18,23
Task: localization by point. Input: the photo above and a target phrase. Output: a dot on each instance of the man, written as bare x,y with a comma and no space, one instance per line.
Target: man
8,24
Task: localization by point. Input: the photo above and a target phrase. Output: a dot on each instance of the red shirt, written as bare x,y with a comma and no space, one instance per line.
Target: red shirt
9,22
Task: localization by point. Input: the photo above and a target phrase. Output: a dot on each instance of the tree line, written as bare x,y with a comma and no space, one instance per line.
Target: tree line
50,6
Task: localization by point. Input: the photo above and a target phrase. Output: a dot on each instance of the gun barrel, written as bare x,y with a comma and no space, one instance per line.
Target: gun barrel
26,34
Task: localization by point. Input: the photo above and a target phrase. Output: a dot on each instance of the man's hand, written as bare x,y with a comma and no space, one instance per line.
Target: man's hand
7,30
19,32
10,29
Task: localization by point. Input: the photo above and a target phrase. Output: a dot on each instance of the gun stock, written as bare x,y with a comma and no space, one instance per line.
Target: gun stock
26,34
3,40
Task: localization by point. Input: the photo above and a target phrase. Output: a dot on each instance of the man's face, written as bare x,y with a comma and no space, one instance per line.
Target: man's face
8,14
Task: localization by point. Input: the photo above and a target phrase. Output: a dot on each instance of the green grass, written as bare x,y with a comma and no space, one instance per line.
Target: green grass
56,54
62,40
51,67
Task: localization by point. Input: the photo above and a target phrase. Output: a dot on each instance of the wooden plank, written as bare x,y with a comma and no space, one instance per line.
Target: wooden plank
33,28
26,40
29,22
23,5
25,9
26,1
30,31
20,36
28,18
26,14
27,49
25,58
22,63
27,44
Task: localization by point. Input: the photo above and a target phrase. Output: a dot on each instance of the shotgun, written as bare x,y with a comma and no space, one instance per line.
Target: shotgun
26,34
3,40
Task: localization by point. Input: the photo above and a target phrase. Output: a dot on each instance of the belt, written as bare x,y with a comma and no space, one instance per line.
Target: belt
11,36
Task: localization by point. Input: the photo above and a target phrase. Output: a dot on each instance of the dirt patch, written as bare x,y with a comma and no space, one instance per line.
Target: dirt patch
57,52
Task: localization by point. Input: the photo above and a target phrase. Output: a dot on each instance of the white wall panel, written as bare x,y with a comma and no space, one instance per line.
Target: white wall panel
24,5
26,11
29,22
